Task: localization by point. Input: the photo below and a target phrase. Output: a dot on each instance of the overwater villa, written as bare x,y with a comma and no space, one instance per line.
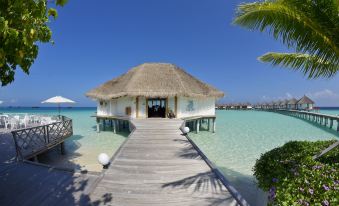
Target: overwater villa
292,104
305,103
154,90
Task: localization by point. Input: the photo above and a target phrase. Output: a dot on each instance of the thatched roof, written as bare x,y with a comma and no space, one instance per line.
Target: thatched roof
305,100
154,80
292,101
284,102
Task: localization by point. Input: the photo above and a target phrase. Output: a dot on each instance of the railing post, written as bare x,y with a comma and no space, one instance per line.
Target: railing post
17,148
47,133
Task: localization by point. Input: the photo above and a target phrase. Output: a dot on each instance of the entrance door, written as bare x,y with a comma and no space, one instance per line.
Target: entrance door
156,108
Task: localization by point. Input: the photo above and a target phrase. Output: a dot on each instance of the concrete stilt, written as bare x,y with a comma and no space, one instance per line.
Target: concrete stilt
214,126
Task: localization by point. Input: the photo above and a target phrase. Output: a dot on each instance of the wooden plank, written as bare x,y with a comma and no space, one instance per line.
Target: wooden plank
158,166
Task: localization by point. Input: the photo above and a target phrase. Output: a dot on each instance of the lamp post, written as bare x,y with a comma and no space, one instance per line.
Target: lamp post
103,159
186,130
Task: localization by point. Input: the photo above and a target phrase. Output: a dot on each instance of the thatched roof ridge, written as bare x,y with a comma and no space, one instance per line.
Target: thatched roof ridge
305,100
154,80
284,102
292,101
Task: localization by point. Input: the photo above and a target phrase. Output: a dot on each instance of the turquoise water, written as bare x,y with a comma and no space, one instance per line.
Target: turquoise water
85,145
242,136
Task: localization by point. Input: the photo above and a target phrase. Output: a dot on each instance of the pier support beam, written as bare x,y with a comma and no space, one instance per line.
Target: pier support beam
331,123
62,148
114,126
197,126
208,124
104,124
337,125
98,125
214,126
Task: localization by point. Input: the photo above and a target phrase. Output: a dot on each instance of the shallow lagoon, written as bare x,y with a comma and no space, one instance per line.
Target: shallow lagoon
240,138
85,145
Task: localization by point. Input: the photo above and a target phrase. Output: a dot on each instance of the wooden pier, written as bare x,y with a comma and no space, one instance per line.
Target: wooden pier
326,120
198,123
157,165
115,123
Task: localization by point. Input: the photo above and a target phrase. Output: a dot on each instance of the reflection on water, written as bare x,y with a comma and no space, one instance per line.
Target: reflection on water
242,136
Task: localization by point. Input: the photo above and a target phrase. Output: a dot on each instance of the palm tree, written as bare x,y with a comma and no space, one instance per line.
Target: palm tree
310,27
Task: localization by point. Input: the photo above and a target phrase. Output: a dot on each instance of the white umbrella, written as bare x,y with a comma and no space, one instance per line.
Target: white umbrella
58,100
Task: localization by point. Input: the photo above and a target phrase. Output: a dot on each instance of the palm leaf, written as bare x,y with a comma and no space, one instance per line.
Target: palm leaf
309,26
311,66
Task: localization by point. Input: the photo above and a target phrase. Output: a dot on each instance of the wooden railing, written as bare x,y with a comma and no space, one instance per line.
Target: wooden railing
32,141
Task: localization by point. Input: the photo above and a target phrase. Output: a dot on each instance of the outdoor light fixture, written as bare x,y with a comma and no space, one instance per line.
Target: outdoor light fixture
103,160
186,130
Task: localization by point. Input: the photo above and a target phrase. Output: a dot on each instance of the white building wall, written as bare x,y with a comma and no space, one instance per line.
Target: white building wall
171,104
117,107
188,107
142,107
305,106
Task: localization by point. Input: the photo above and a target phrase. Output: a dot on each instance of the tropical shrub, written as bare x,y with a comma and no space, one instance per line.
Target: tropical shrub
291,177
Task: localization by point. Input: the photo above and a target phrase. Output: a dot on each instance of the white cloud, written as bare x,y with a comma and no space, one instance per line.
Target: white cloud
1,102
268,98
324,94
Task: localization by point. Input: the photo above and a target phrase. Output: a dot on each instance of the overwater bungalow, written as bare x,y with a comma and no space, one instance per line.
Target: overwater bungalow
283,104
305,103
157,90
292,104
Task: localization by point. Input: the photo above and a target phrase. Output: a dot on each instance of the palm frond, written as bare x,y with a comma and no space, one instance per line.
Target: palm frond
301,24
312,66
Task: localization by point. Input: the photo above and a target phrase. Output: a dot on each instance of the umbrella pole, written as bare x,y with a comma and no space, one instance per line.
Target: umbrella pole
59,108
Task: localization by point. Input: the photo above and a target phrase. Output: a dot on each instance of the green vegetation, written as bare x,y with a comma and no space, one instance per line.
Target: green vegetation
292,177
23,23
310,27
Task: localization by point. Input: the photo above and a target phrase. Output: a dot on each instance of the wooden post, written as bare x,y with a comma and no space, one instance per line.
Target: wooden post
62,148
208,124
331,123
197,126
214,126
137,107
114,126
103,124
98,125
326,121
176,106
35,159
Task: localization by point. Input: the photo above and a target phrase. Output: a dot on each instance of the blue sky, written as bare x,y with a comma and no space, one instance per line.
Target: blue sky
96,41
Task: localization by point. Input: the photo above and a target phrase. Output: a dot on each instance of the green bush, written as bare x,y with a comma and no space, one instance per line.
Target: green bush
292,177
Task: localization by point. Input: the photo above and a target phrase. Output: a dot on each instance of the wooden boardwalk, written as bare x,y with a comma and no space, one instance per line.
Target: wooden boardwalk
158,166
28,184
